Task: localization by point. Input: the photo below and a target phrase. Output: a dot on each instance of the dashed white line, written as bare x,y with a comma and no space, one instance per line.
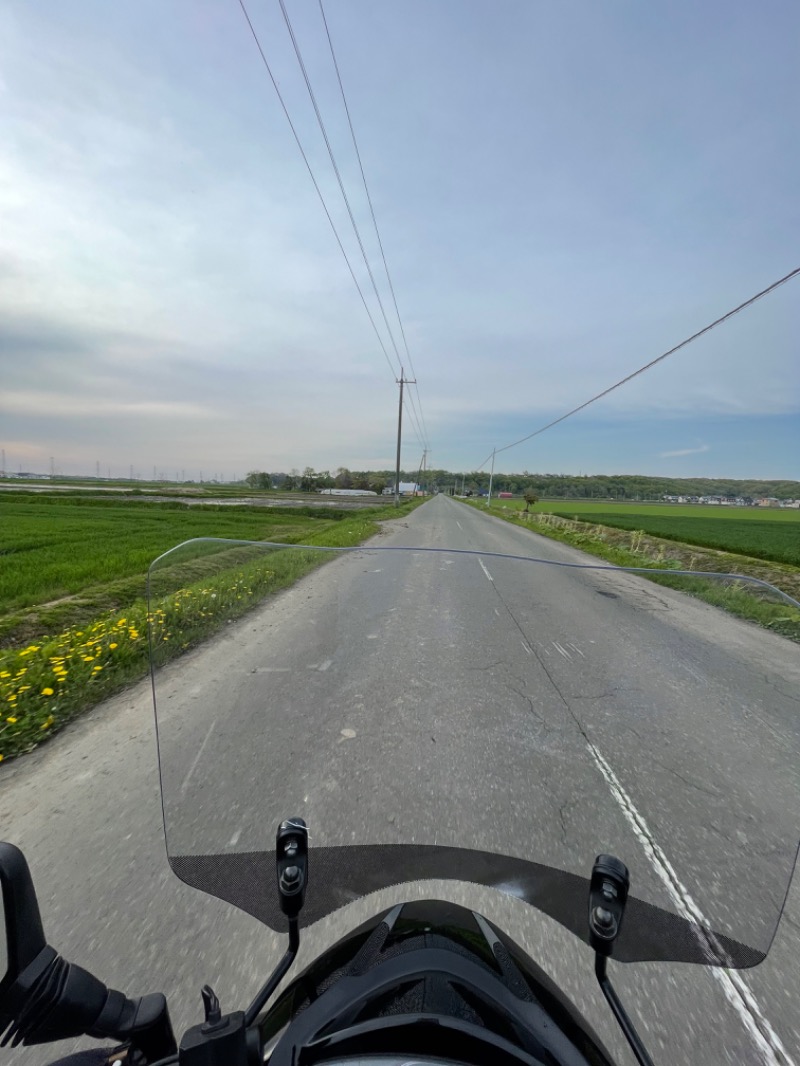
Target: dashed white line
197,757
485,570
769,1044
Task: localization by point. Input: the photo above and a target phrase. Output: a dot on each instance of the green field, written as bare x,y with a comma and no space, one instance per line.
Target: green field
52,547
761,533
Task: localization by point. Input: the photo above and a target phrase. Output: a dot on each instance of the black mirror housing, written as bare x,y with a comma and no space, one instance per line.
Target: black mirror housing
24,934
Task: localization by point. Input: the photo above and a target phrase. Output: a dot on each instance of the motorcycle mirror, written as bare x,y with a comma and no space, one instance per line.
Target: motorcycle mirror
24,936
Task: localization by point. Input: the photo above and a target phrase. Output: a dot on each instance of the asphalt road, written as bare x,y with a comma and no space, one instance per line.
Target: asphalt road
546,712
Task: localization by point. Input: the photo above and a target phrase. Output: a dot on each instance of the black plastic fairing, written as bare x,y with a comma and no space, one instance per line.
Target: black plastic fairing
430,977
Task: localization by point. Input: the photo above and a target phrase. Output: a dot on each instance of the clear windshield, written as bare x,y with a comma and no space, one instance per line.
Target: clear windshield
482,718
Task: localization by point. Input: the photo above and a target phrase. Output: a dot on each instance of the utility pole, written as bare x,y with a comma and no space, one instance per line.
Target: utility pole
491,479
403,381
421,468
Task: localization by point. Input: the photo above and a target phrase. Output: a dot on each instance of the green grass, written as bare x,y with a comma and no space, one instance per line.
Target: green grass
761,533
61,659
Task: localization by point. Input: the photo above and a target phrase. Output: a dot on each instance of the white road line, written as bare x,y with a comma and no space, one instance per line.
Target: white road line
485,570
527,647
193,767
459,525
234,839
561,651
272,669
769,1044
577,649
324,666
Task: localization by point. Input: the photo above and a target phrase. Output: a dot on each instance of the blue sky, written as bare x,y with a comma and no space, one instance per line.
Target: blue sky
564,192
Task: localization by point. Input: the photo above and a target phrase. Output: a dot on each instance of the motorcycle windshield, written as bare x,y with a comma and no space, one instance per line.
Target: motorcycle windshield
484,718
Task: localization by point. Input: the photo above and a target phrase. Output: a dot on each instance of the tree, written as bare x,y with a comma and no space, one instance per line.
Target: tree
344,479
308,482
258,479
531,499
289,483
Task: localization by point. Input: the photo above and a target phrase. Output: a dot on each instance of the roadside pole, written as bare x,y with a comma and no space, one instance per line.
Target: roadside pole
403,381
491,479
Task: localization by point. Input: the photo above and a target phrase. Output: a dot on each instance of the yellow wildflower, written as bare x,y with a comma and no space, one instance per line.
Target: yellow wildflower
47,692
12,720
112,646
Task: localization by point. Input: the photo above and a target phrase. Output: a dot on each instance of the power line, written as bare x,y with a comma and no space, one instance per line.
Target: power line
413,415
372,213
335,166
316,186
653,362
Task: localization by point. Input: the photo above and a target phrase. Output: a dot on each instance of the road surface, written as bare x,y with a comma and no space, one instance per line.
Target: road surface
551,716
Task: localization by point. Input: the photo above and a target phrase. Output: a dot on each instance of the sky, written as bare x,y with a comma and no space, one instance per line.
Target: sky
564,191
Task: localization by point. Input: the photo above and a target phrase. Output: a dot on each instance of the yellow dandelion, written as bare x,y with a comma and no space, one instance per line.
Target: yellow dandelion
1,758
47,692
112,646
12,697
96,669
5,673
88,658
12,720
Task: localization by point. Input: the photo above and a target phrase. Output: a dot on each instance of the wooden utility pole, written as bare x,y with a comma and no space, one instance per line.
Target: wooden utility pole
403,381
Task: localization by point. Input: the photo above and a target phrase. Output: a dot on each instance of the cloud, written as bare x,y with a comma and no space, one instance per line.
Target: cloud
39,403
684,451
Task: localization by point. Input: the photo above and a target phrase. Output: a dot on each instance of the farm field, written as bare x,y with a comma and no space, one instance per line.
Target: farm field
761,533
53,547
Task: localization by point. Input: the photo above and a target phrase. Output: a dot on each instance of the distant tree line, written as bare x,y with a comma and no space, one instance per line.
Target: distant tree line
547,486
